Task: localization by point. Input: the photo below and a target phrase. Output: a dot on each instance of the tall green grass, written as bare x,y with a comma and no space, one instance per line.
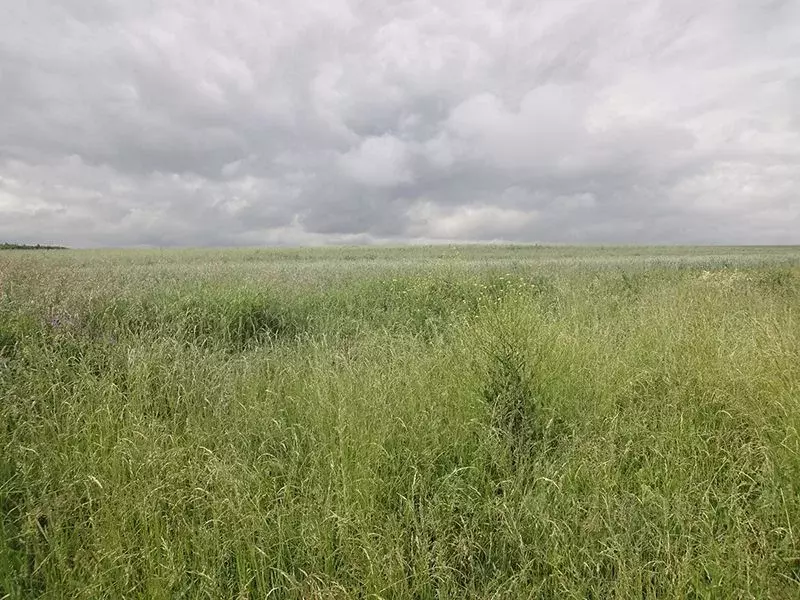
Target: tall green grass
474,422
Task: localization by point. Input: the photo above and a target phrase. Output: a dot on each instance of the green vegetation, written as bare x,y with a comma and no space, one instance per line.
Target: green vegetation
470,422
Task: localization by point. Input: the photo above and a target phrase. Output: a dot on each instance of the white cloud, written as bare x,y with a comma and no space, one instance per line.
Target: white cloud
471,222
260,121
379,161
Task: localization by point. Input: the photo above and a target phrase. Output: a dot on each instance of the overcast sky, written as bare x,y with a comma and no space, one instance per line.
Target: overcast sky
255,122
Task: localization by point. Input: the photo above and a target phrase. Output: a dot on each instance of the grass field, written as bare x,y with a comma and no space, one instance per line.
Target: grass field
432,422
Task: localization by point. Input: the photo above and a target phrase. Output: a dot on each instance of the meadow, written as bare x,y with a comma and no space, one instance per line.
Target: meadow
420,422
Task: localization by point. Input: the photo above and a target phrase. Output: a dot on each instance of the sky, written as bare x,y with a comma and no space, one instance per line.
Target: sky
266,122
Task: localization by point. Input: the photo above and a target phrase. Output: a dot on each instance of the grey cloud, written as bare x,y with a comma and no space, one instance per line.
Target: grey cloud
255,122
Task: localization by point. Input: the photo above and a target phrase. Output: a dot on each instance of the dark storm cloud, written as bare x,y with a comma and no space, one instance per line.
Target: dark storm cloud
252,122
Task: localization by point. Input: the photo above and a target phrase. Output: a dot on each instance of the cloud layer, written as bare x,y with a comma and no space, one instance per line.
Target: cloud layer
257,122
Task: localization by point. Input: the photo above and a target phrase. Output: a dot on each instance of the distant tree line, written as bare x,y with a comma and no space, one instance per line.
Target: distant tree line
6,246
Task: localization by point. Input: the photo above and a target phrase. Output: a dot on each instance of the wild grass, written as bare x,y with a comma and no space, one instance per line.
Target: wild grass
471,422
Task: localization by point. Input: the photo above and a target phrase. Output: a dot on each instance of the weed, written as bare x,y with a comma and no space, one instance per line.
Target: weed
476,422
